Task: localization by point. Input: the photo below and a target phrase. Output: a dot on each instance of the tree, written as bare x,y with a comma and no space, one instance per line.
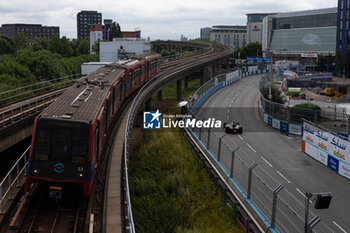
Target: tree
83,47
54,44
20,41
119,31
6,45
36,46
116,31
65,48
253,49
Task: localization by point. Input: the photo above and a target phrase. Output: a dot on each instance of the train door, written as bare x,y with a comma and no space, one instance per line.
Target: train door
96,145
142,73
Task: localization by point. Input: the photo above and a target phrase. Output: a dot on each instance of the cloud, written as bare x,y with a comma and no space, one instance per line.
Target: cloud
160,19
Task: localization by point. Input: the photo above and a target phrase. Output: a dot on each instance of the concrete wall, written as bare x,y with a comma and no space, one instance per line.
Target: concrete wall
109,50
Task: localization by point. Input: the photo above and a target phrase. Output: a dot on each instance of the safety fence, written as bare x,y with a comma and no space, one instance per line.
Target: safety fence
13,95
277,209
13,179
328,149
290,119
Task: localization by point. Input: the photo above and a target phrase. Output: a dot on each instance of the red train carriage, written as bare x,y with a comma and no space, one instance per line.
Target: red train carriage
69,135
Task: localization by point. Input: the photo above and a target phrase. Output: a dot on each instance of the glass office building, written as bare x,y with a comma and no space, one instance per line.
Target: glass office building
300,32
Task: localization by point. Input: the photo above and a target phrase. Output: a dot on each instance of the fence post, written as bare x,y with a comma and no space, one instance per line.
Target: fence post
10,186
250,179
208,142
274,204
1,210
18,177
219,149
233,160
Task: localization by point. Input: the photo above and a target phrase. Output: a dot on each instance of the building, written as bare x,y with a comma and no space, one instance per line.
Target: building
96,34
301,34
107,29
132,34
205,33
343,30
31,31
266,33
254,27
84,20
122,48
233,36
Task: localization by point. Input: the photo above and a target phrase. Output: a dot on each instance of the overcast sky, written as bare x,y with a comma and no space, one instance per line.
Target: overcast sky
159,19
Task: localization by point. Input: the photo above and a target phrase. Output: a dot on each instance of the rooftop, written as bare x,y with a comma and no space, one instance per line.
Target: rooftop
308,12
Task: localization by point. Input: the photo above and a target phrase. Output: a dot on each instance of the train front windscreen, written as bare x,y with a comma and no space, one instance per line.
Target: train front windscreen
60,150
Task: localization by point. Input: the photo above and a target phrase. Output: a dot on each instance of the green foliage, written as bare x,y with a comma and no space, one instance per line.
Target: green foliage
307,111
6,45
171,192
116,31
253,49
20,41
277,96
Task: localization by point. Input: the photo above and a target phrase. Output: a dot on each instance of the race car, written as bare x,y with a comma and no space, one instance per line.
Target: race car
233,127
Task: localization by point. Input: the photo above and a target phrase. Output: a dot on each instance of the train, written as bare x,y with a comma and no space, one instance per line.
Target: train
69,135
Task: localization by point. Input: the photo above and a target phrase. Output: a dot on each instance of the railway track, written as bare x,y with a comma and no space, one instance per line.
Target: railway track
71,213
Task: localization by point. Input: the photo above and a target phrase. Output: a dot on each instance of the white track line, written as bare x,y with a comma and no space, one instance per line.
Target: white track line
232,100
230,105
301,192
228,111
266,161
240,137
279,173
339,227
250,147
227,117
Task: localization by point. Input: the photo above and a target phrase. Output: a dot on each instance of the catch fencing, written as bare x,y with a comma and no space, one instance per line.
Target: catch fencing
275,206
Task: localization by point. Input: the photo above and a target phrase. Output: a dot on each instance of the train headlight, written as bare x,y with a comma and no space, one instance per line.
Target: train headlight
36,171
80,175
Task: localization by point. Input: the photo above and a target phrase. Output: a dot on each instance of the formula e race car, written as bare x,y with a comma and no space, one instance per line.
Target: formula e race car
233,127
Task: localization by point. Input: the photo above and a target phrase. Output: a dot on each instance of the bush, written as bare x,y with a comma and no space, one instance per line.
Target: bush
277,96
307,111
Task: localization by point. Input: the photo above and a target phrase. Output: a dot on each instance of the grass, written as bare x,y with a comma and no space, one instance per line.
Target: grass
171,192
169,92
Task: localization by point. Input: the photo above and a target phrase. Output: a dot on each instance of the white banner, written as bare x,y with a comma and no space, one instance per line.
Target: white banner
344,170
276,124
295,129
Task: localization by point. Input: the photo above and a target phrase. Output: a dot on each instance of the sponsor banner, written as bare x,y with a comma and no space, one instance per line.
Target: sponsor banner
276,124
322,157
344,170
269,120
258,59
309,55
266,118
339,148
311,150
322,139
284,126
333,164
309,133
295,129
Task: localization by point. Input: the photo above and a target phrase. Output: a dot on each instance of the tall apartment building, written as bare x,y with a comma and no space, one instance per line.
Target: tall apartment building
31,31
84,20
343,30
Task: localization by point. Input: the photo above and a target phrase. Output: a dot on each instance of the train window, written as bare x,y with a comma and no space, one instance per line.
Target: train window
128,80
120,92
41,151
142,72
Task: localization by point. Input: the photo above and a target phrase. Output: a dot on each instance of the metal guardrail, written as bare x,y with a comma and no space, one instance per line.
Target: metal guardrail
25,110
180,56
11,96
13,177
274,204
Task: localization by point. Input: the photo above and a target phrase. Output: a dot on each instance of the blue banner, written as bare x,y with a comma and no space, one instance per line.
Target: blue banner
258,59
333,163
284,127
